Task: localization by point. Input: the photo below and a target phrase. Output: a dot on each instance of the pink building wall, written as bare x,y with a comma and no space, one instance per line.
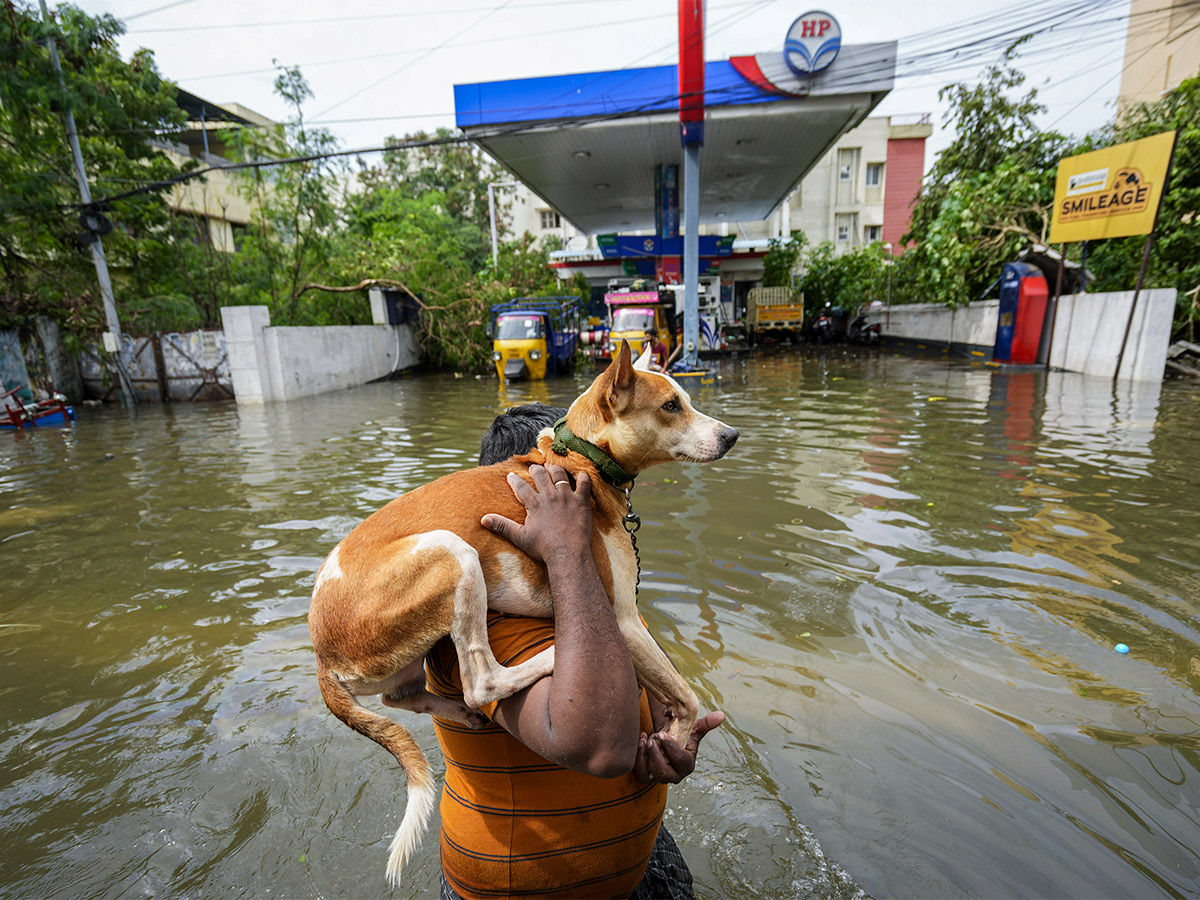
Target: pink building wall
905,167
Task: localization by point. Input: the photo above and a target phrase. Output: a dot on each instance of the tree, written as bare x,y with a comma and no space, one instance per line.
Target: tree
848,280
781,259
118,108
988,194
298,235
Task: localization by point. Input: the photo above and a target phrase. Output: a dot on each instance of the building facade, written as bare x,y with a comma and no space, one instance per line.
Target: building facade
1162,48
219,211
862,190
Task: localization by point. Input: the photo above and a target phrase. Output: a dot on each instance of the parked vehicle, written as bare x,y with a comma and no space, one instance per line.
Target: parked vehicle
822,329
775,312
862,333
632,313
533,337
831,324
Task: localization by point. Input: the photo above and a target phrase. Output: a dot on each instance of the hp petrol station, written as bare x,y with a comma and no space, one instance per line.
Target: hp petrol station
644,158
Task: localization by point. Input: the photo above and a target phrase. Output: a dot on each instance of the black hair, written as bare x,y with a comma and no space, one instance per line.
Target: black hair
515,431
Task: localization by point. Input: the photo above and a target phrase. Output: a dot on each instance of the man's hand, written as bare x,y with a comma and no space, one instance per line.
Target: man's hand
660,758
558,518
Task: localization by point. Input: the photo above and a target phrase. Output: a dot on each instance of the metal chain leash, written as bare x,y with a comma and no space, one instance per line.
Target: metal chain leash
632,523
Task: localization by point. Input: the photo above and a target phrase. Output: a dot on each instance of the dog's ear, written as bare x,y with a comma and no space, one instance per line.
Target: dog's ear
621,371
643,361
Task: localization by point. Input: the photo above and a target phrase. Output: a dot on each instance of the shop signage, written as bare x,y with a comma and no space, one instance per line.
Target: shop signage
666,200
1114,192
624,246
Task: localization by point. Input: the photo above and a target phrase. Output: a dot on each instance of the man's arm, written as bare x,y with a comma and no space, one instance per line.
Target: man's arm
586,715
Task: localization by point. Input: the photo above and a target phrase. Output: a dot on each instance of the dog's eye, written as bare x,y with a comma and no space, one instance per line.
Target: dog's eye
671,406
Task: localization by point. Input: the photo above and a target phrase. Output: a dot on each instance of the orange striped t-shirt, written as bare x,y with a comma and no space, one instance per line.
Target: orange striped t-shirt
516,825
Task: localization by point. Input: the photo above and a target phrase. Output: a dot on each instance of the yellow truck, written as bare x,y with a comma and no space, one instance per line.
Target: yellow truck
774,312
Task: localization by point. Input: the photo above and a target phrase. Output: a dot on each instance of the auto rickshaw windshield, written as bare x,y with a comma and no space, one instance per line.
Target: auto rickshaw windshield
639,320
520,328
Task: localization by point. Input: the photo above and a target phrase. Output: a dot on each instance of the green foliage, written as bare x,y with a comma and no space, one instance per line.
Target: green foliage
988,195
849,280
781,260
117,106
298,236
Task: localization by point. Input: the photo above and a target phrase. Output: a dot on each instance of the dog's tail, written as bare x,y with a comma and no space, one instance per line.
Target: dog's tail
398,741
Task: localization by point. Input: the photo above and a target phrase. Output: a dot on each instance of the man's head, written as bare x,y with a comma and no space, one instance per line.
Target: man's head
515,431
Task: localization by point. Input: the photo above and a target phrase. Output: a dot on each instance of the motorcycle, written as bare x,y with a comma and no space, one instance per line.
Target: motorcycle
862,333
822,331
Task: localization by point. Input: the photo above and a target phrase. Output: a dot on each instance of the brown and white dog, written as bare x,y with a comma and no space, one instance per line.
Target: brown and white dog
423,567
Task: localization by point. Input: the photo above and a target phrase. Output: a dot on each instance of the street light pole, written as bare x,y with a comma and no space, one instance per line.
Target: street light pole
492,214
890,260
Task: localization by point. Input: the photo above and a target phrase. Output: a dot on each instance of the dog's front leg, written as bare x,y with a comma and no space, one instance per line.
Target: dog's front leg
657,675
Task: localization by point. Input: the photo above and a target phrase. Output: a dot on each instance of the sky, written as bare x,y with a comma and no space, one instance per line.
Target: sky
380,69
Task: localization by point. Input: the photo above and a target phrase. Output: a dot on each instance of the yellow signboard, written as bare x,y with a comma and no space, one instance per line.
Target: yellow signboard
1114,192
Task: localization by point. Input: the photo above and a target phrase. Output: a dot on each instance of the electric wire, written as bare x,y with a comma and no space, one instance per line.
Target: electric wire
332,20
953,58
1045,22
157,9
917,58
413,62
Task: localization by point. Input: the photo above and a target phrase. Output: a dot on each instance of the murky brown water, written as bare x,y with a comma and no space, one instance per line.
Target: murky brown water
904,586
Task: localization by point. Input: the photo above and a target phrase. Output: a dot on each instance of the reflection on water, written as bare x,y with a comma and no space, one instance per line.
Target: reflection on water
904,586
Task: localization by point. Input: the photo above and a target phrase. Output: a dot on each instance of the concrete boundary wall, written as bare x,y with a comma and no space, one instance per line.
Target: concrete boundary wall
970,326
269,363
1087,330
1089,327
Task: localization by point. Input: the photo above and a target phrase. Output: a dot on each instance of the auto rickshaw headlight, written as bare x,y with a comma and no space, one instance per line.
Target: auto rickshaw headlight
612,346
535,354
496,355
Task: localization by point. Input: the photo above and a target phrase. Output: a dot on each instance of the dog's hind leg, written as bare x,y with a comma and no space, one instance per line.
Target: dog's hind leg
406,690
483,678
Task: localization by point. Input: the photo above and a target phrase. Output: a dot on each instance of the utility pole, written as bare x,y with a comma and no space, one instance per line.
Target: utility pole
112,344
492,215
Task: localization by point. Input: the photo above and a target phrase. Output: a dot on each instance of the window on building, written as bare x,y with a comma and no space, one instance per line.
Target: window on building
843,234
873,233
550,219
845,171
874,174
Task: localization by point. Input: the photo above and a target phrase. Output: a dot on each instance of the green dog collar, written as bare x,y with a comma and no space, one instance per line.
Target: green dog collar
565,440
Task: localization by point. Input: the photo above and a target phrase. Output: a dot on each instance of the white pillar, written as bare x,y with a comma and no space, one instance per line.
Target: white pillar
691,254
244,342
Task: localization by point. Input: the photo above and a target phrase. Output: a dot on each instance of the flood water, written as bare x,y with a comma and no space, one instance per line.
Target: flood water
904,585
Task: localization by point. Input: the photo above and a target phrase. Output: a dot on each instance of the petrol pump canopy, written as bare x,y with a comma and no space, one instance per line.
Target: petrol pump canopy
589,144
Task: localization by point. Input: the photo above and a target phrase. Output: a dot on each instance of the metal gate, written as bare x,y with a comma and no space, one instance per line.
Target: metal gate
166,367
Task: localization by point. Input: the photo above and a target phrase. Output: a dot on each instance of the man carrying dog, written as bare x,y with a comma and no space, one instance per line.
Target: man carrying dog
562,793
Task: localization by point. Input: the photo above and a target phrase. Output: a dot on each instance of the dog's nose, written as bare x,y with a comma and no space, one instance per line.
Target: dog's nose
728,437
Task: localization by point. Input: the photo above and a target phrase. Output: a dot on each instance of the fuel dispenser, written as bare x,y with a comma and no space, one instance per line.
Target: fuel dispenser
1024,296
